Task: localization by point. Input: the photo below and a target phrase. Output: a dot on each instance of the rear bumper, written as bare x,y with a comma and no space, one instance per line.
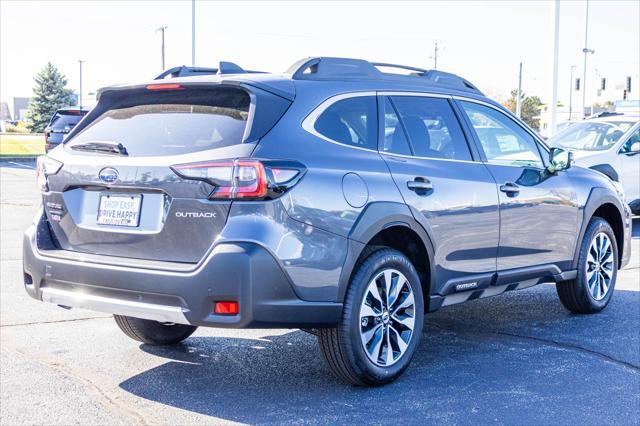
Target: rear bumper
168,292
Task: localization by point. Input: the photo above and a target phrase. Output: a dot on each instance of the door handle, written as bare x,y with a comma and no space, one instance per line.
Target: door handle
420,184
510,188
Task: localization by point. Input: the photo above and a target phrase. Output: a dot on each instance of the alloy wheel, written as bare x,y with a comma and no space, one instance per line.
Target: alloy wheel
600,264
387,317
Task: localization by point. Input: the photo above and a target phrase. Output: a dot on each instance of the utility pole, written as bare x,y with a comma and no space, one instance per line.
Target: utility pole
435,55
586,51
193,33
519,94
554,74
571,92
162,30
80,61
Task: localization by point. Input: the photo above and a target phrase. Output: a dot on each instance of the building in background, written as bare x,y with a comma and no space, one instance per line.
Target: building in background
5,114
20,107
631,107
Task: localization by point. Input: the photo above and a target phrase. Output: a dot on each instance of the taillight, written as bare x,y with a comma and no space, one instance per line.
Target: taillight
244,179
45,167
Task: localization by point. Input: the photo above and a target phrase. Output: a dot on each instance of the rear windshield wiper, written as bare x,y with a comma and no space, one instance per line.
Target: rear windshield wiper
104,147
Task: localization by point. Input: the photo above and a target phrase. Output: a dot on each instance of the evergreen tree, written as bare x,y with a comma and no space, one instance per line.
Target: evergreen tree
529,110
49,94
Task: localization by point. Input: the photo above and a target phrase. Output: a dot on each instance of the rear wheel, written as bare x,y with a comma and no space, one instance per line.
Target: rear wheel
593,288
381,323
154,332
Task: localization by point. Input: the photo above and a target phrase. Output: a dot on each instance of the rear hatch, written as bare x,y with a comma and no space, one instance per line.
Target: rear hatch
116,194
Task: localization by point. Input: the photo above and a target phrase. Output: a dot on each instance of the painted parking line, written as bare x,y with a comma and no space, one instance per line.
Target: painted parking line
21,165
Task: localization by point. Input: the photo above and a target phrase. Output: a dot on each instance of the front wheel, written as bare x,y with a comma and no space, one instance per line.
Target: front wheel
381,323
593,288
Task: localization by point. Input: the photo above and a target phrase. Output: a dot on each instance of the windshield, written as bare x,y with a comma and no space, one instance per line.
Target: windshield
589,136
179,123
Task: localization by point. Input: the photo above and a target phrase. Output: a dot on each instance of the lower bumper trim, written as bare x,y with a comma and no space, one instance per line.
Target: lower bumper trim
161,313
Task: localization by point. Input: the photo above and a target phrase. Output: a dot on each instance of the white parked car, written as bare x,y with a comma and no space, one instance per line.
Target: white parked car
610,145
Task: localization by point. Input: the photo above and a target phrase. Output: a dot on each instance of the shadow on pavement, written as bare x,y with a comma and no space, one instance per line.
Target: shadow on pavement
520,358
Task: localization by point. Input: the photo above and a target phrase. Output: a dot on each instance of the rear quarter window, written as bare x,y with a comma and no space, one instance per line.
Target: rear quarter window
351,121
173,123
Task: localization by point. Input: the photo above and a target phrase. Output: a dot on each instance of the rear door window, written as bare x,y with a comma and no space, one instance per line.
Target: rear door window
170,124
395,140
432,127
351,121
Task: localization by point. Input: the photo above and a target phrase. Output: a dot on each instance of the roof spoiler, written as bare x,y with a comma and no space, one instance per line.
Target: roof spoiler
326,68
185,71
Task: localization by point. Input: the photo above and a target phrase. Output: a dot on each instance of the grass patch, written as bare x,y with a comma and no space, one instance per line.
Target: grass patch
19,145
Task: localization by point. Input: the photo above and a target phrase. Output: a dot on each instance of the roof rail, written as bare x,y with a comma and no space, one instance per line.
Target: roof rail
325,68
185,71
402,67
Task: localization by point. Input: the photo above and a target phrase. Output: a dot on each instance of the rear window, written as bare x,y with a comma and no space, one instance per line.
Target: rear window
62,122
172,123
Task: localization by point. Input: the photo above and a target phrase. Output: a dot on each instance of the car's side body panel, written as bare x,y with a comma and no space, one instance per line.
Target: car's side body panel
464,222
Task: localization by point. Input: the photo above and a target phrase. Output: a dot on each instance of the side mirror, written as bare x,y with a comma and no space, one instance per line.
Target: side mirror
635,148
559,160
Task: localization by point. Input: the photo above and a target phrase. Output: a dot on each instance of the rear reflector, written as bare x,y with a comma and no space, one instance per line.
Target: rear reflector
165,86
226,308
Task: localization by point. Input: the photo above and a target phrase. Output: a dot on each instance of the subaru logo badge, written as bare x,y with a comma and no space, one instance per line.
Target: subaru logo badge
108,175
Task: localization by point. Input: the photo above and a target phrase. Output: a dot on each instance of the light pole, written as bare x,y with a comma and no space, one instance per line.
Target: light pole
193,33
435,55
162,29
80,61
586,51
554,75
519,94
571,92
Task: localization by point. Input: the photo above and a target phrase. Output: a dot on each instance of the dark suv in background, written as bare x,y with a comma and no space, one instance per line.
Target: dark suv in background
61,123
336,198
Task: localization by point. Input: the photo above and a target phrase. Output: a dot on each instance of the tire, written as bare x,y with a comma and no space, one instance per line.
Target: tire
586,293
153,332
342,347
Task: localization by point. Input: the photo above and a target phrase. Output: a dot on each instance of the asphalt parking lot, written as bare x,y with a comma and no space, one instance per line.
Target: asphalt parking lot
519,359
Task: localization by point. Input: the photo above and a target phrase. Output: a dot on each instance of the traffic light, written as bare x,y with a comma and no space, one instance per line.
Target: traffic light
603,83
624,95
577,84
628,89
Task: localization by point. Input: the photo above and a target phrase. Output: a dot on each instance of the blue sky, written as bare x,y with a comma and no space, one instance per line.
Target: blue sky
482,41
